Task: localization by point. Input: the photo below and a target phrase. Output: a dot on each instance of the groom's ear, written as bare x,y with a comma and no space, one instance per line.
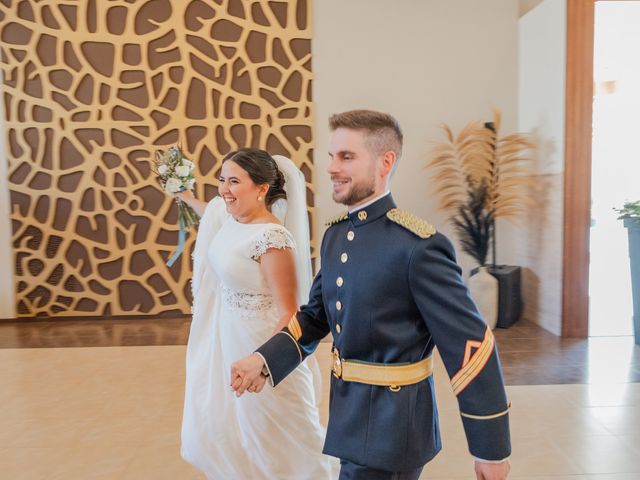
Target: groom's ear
388,161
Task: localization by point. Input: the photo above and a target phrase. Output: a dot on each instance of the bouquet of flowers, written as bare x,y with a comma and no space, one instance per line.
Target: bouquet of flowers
175,174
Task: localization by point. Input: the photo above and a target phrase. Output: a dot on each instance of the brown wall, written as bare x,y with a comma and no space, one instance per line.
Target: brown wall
91,90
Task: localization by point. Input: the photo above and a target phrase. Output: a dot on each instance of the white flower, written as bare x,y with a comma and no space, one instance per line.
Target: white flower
173,185
190,183
182,171
188,163
162,169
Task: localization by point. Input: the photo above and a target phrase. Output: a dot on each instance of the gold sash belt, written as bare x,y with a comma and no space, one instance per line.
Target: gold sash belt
381,374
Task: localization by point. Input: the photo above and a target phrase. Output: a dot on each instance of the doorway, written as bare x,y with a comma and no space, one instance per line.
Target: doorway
615,167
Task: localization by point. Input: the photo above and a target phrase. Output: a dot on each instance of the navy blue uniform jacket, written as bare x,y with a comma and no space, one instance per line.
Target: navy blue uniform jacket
390,290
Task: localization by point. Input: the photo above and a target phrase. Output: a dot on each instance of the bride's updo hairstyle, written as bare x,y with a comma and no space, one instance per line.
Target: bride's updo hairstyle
262,169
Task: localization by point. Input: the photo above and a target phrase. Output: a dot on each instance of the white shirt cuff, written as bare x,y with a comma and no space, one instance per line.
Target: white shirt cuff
270,377
491,461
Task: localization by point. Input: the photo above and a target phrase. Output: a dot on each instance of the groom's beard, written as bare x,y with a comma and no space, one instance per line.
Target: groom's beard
356,194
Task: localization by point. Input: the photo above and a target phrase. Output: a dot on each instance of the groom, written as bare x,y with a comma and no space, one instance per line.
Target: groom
389,291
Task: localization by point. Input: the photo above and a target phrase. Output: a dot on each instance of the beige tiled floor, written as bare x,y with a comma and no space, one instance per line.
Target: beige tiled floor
114,413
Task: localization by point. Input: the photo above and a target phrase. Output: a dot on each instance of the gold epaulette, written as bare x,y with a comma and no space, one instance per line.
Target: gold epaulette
337,219
411,222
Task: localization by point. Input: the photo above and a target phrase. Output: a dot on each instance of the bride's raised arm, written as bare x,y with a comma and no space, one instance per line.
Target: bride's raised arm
189,198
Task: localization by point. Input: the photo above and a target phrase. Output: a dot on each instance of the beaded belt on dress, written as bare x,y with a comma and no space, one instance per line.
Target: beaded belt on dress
245,300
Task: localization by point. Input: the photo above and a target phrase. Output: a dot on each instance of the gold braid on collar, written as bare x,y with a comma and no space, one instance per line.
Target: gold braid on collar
411,222
337,219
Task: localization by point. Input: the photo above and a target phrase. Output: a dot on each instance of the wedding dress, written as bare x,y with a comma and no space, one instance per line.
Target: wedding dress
273,435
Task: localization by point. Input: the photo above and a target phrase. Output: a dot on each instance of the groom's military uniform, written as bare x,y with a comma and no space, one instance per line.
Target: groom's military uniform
390,291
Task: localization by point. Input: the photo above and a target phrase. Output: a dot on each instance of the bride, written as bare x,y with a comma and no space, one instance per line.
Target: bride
252,244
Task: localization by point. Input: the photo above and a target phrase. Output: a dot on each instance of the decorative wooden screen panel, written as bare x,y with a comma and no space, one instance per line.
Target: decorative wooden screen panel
91,89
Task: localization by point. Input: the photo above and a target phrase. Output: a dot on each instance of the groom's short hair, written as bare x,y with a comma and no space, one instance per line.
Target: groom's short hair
382,130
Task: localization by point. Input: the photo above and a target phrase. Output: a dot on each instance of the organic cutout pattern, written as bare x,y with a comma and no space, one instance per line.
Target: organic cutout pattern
91,90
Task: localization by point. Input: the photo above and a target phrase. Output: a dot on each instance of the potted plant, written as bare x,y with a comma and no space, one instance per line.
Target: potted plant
630,215
481,161
474,223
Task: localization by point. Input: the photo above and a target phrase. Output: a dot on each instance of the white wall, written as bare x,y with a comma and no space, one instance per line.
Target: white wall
7,289
425,62
541,106
541,81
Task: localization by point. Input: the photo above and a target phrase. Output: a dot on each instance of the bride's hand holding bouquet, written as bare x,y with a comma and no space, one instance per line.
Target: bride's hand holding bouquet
175,174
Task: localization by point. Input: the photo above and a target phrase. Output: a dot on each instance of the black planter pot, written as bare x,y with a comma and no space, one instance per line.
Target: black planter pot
633,228
509,293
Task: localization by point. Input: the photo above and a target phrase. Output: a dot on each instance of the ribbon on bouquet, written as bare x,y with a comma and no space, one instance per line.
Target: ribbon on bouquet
182,237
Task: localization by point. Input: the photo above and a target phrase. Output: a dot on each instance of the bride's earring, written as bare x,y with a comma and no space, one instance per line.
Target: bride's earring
259,198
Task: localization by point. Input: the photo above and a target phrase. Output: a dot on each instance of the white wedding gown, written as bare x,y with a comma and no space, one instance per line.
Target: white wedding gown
276,434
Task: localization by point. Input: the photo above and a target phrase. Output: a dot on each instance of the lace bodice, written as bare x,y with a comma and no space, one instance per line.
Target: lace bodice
235,254
275,237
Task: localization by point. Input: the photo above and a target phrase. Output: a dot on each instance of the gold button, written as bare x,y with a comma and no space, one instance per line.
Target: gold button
339,305
339,281
338,328
344,257
351,236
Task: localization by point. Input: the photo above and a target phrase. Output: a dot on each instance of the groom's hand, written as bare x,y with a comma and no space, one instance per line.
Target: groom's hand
245,373
492,471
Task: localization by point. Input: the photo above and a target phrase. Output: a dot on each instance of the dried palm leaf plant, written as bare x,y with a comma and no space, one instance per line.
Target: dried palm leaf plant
474,223
479,158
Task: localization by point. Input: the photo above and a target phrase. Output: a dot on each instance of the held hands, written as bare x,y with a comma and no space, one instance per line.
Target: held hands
492,471
246,375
